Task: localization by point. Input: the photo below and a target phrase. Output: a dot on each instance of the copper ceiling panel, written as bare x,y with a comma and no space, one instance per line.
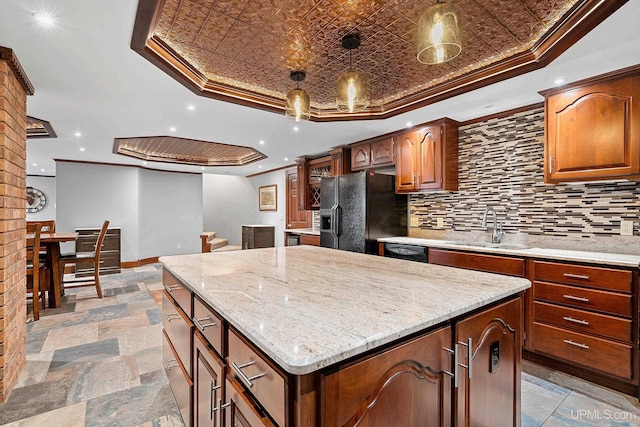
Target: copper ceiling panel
186,151
243,51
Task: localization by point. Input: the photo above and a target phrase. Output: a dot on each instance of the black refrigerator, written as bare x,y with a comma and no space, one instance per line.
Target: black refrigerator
359,208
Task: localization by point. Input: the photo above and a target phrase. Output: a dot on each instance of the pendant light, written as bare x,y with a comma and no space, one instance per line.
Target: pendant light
439,34
351,91
297,99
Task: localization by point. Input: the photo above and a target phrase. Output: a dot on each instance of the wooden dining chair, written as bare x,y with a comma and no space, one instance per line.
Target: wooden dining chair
84,257
36,277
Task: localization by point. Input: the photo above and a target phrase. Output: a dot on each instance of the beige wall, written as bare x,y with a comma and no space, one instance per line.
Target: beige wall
13,331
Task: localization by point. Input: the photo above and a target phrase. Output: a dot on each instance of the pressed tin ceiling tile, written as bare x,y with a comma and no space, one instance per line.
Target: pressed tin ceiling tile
254,45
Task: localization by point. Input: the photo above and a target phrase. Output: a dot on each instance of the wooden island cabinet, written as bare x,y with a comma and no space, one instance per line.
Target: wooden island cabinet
248,370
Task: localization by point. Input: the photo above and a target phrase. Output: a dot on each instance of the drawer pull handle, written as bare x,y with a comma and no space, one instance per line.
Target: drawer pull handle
247,380
170,288
571,297
172,316
206,325
168,364
576,276
578,321
577,344
212,409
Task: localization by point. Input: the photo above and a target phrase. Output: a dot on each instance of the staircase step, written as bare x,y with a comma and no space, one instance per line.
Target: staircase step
210,235
227,248
218,242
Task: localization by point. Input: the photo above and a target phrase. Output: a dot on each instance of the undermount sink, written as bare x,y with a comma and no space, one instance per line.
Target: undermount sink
492,245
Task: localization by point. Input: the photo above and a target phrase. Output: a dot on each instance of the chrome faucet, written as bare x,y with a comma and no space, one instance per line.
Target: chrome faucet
497,227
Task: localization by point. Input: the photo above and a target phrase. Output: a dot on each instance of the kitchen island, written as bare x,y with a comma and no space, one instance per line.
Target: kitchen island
313,336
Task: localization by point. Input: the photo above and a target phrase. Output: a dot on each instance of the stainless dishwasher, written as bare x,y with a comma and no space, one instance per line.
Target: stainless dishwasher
408,252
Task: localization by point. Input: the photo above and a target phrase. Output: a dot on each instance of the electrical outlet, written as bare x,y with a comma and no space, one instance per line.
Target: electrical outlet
440,222
626,228
413,222
179,245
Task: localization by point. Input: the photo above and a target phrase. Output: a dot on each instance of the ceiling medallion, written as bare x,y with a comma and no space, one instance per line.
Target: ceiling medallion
352,93
297,99
439,34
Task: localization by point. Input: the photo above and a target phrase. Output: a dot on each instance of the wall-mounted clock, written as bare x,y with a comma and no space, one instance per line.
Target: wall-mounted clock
36,200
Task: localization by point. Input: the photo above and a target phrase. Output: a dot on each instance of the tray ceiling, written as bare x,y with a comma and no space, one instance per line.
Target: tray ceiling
243,50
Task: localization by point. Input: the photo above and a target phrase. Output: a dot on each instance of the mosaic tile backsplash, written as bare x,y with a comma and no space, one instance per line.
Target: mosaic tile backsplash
501,165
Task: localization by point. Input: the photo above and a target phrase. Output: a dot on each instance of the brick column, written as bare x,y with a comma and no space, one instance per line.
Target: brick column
14,88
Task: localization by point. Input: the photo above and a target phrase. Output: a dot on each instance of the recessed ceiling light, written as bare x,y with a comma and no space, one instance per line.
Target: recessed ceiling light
409,124
81,148
35,164
191,107
286,159
44,18
172,129
261,142
77,133
259,166
41,170
296,128
559,81
201,167
144,163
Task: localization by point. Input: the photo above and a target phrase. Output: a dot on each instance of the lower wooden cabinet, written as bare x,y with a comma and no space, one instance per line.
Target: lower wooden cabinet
179,379
208,376
404,386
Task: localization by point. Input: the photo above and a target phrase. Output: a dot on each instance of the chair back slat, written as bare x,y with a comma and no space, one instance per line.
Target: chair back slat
33,246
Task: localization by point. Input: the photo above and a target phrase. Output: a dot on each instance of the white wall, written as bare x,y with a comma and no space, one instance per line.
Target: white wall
231,201
156,211
46,184
170,213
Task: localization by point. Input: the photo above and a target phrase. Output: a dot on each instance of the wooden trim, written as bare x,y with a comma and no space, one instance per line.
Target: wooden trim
9,55
139,263
633,70
502,114
271,170
117,164
581,19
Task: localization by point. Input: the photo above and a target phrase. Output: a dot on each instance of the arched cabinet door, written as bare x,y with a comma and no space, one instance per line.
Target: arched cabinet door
592,131
490,395
403,386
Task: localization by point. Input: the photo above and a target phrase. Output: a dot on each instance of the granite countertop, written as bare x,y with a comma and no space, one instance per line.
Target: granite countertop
310,307
620,260
303,231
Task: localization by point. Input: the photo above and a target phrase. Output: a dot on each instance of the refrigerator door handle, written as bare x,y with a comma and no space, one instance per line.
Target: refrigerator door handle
333,221
338,221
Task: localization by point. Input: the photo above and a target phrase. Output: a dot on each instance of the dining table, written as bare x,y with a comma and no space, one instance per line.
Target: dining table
51,241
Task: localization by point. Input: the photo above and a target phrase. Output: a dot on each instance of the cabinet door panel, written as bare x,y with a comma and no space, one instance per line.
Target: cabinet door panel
360,156
382,152
208,379
430,158
491,396
405,162
404,386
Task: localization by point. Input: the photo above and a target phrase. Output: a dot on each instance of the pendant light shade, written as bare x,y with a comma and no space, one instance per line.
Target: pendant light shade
352,93
297,99
439,34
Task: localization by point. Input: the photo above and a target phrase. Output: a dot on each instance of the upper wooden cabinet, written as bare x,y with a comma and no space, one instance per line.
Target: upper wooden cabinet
427,158
310,171
592,129
296,218
373,154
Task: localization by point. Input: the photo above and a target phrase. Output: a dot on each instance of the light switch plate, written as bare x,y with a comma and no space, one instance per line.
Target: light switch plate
626,228
413,221
440,222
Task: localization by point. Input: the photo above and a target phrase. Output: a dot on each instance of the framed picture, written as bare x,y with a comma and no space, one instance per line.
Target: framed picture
268,198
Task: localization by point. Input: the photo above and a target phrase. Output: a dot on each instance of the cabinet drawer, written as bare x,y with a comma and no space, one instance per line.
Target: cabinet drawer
178,380
309,239
242,411
592,277
178,328
573,296
179,292
267,387
583,321
597,353
209,324
488,263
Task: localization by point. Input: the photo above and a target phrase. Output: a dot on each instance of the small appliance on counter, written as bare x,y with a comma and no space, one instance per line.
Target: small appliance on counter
359,208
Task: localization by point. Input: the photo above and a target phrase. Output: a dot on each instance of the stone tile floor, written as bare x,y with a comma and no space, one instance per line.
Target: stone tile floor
97,362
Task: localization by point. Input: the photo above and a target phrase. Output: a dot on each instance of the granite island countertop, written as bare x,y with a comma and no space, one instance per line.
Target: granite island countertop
309,231
309,307
621,260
